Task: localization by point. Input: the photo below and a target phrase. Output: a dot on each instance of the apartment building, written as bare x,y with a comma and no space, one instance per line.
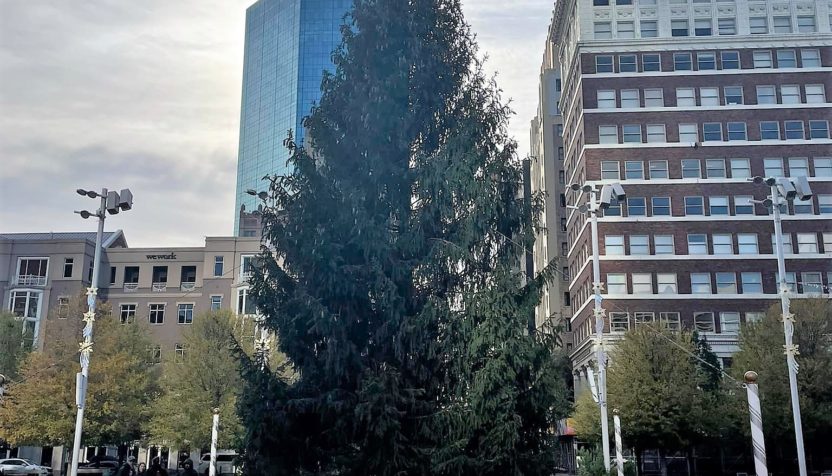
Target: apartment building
682,102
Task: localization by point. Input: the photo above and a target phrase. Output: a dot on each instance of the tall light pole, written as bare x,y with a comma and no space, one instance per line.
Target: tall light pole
112,203
784,190
596,204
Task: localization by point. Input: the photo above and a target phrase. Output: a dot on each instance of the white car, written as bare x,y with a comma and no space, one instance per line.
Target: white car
22,467
225,463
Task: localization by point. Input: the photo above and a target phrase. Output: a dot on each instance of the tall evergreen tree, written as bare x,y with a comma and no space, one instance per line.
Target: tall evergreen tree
392,278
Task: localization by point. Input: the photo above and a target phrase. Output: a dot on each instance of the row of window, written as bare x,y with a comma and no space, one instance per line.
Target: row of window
712,132
715,244
727,26
717,205
729,282
710,96
715,168
188,272
155,353
729,321
708,61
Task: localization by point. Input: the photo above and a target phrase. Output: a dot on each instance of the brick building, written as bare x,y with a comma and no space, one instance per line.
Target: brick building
682,101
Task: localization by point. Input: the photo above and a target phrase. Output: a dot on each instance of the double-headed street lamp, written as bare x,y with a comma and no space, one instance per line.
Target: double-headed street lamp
112,203
596,203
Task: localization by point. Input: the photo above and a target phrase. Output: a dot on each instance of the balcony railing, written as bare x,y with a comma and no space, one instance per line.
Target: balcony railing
131,287
160,287
31,280
187,286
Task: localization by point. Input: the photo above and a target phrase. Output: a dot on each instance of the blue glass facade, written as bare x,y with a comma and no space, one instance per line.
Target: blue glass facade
288,45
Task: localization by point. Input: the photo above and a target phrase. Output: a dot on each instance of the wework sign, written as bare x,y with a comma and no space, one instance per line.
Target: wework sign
172,255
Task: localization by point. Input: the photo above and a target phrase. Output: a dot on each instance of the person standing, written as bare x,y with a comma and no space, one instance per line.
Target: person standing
188,468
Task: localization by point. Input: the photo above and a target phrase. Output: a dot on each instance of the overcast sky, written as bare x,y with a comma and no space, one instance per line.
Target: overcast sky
146,95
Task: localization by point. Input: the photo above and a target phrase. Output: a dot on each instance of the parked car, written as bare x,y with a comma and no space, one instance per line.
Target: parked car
22,467
225,462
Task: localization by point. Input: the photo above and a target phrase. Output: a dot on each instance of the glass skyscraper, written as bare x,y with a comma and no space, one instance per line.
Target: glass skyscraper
288,45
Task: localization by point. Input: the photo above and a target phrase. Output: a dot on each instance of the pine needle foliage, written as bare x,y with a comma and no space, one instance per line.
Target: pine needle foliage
391,271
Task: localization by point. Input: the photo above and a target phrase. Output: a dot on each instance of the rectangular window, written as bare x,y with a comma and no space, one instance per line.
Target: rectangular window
609,170
788,248
818,129
733,95
679,28
682,62
616,283
762,59
773,167
691,168
649,29
634,170
625,29
743,205
32,271
786,59
747,244
798,167
68,265
666,283
688,133
727,26
157,313
630,98
154,354
179,353
704,322
112,275
715,168
702,28
758,25
671,320
658,169
642,283
651,62
639,245
807,243
712,131
766,95
654,97
698,244
700,283
664,244
246,267
603,64
769,130
782,24
661,206
791,281
790,94
216,302
656,133
752,283
694,206
606,99
705,61
218,262
718,205
636,206
726,283
598,3
607,134
810,58
823,167
603,30
815,94
614,245
131,275
709,96
186,313
631,133
127,313
740,168
729,322
643,318
825,208
619,322
737,131
794,130
627,64
754,317
812,283
806,24
723,244
730,59
803,207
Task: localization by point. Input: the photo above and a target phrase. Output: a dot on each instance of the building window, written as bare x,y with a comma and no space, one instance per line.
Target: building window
603,30
694,206
671,320
709,96
245,303
743,205
790,94
639,245
682,62
798,167
823,167
729,322
688,133
603,64
656,133
818,129
32,271
769,130
651,62
794,130
609,170
625,29
698,244
812,283
179,353
723,245
664,244
730,59
685,97
246,267
747,244
649,29
726,283
68,265
773,167
616,283
733,95
634,170
631,133
737,131
216,302
154,354
606,99
642,283
712,131
754,317
561,177
788,248
607,134
766,95
630,98
806,24
127,313
825,208
658,169
759,25
752,283
661,206
782,24
762,59
157,313
654,97
810,58
643,318
218,264
715,168
727,26
619,322
803,207
791,281
614,210
807,243
186,313
704,321
679,28
815,94
614,245
63,307
627,64
718,205
786,59
666,283
700,283
691,168
636,206
705,61
740,168
599,3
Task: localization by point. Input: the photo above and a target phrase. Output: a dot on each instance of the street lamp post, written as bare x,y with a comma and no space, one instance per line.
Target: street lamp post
111,202
596,204
784,190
